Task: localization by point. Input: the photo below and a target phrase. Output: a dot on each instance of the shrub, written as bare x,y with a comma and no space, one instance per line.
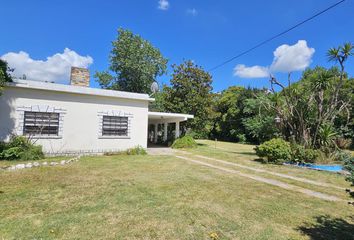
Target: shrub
349,166
138,150
198,135
343,143
275,150
301,154
11,153
341,156
20,147
241,138
3,146
33,153
184,142
19,141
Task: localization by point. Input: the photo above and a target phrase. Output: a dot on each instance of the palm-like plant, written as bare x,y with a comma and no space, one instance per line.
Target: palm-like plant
327,138
340,54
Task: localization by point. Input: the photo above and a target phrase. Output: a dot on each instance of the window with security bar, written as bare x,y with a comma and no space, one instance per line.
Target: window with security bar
41,124
115,126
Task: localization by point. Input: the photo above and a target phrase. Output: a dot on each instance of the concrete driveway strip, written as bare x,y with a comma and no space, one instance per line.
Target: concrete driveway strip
266,180
304,180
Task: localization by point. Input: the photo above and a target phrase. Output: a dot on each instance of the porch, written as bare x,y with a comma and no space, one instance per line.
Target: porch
164,127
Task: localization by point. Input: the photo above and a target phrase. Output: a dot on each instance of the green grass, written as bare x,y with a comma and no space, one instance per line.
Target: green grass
163,197
244,154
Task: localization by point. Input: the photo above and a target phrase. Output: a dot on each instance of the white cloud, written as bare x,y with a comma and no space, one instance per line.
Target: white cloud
163,5
296,57
287,58
55,68
251,72
192,11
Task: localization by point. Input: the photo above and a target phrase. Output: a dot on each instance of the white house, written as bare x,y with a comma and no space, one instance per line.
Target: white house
76,118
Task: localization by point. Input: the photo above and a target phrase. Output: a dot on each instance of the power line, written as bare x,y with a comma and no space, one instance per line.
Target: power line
275,36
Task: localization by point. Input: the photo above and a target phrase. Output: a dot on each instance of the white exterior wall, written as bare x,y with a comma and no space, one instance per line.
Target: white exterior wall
80,119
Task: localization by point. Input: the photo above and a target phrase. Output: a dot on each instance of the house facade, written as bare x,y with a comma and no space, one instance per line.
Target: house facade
78,119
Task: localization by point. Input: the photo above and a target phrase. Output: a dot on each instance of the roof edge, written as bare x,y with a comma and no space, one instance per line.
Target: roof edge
167,114
29,84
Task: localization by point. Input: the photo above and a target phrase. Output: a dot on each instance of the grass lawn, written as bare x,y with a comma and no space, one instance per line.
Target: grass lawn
163,197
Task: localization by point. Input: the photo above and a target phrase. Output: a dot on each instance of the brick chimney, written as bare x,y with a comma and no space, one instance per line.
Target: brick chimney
80,77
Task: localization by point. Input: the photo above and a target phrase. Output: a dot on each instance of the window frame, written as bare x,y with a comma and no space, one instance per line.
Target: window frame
112,125
37,120
114,113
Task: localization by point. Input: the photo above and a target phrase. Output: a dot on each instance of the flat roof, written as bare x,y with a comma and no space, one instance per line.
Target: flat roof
166,116
29,84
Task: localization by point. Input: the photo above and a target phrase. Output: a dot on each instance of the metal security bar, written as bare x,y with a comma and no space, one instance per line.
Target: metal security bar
41,123
115,126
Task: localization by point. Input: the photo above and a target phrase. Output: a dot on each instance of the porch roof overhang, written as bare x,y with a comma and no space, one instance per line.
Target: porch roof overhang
162,117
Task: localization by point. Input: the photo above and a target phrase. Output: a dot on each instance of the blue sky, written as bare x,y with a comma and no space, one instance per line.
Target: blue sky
207,32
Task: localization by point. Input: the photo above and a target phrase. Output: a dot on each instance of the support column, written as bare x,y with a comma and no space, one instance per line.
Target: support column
155,132
165,131
177,130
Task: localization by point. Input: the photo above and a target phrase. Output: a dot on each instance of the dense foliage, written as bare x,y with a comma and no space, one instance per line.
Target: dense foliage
349,166
240,116
20,148
300,154
135,63
184,142
278,150
189,92
4,74
275,150
315,112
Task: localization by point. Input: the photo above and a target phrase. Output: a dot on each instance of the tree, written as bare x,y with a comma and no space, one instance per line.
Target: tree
190,92
4,74
241,116
135,63
258,117
316,101
158,104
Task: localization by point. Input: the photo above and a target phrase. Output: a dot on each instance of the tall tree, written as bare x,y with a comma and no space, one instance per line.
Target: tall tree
190,92
134,64
308,106
242,115
4,74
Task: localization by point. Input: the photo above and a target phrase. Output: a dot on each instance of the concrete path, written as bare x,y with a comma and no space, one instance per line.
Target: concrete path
266,180
161,151
304,180
191,158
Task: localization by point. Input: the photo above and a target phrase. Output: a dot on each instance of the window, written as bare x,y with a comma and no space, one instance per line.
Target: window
114,126
41,123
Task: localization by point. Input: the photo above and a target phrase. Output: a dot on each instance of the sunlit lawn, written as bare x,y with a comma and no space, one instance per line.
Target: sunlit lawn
162,197
244,154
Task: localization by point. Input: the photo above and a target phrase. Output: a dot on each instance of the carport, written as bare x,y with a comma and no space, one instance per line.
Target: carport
160,122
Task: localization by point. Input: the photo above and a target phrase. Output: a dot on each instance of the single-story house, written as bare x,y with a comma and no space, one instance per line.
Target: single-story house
78,119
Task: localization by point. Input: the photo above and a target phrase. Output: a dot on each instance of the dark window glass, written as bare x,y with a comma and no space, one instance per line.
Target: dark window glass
114,126
41,123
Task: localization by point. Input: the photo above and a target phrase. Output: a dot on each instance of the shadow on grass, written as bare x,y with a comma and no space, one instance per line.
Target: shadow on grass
328,228
202,144
259,160
247,153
